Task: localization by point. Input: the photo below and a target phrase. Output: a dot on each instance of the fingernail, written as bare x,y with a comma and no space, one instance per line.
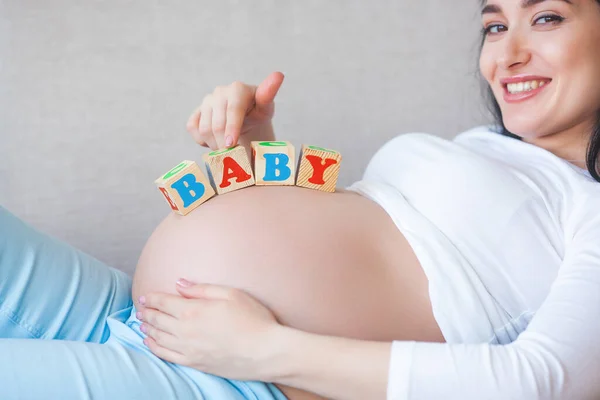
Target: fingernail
184,283
228,141
145,342
142,300
144,328
138,315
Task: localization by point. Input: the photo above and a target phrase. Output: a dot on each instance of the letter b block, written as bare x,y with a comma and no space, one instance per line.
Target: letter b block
229,169
185,187
274,163
318,168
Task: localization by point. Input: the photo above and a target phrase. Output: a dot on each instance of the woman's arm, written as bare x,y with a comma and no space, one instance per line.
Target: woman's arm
556,357
332,367
226,332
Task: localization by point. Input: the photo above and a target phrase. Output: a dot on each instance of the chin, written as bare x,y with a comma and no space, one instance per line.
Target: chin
524,128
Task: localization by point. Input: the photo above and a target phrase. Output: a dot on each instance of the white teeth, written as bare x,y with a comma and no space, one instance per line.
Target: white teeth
524,86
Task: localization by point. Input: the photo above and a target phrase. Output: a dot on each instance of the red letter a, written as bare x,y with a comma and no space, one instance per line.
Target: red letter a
231,169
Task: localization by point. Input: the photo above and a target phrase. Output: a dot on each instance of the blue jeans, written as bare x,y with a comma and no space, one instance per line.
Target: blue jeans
88,345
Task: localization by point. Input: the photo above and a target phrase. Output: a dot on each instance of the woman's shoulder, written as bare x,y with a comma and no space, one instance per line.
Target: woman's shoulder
481,132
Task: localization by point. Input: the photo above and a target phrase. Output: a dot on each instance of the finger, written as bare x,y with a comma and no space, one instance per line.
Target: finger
218,121
267,90
205,127
236,113
167,303
158,319
164,353
162,338
206,291
193,123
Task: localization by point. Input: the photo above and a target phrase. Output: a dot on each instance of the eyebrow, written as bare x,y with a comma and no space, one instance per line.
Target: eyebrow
496,9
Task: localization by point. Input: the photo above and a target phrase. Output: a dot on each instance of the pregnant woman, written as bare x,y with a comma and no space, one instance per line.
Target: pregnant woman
462,269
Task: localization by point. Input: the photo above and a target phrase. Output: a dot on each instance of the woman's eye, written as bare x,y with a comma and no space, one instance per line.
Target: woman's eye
546,19
494,29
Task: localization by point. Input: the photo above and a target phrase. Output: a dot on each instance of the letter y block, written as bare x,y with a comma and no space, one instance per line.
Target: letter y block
318,168
274,163
185,187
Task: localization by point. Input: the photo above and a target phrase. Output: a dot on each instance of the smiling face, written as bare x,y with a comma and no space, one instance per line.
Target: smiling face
542,61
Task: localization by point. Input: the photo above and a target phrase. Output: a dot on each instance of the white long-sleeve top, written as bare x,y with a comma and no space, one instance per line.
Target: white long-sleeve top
509,237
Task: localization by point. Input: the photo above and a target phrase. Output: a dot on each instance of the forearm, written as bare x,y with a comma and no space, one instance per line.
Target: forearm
332,367
265,133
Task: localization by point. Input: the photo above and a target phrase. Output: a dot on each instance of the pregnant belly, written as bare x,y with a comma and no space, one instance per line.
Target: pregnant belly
328,263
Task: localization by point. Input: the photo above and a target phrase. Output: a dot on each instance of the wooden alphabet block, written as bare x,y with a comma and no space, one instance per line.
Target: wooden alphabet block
229,169
318,168
185,187
273,163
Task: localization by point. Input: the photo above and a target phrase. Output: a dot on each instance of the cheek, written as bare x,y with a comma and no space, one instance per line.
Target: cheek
575,61
560,56
486,64
571,54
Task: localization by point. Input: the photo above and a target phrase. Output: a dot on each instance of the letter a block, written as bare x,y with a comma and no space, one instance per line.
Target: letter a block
185,187
229,169
274,163
318,168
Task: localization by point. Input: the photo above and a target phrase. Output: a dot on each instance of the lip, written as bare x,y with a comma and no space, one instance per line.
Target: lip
523,78
519,97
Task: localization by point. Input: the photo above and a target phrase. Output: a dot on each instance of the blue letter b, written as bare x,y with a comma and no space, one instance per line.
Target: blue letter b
276,162
189,189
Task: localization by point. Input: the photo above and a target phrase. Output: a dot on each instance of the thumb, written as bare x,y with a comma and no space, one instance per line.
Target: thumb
267,90
192,290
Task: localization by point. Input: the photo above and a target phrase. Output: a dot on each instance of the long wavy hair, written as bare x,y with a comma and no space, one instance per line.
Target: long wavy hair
593,149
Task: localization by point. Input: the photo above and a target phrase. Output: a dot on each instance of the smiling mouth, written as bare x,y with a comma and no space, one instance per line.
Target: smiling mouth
525,86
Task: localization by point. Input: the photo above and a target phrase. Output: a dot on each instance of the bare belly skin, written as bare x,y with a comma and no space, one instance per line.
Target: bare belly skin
328,263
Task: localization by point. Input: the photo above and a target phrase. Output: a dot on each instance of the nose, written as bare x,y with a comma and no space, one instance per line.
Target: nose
515,51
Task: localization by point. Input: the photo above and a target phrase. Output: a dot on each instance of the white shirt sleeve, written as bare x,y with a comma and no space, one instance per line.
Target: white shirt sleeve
556,357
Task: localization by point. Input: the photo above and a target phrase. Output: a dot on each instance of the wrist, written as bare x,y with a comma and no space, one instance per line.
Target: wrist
329,366
276,358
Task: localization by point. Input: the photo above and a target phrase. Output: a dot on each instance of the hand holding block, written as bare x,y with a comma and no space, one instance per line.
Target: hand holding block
318,168
273,163
185,187
229,169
